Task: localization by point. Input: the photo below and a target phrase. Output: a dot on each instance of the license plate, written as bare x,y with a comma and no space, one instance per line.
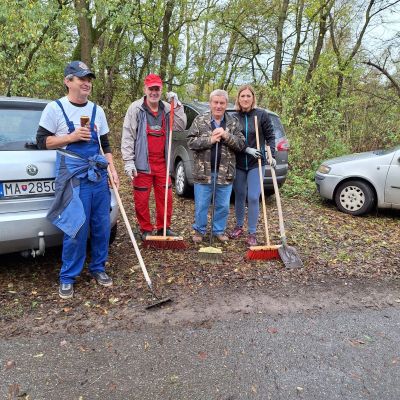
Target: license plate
27,188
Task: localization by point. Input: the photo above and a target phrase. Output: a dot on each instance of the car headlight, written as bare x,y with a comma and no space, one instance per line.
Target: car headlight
324,169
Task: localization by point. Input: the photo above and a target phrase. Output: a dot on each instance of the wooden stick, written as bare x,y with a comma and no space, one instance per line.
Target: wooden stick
171,125
278,198
262,184
128,227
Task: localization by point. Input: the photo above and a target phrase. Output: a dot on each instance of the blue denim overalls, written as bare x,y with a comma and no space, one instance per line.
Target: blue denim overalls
96,198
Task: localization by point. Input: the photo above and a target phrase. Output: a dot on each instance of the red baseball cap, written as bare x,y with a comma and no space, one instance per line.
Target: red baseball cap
153,80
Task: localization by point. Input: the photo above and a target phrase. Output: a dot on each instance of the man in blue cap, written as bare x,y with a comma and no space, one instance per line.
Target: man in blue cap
82,192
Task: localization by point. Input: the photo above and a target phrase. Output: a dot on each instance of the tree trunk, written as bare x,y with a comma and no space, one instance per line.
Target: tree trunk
169,7
85,30
297,45
223,84
323,27
277,68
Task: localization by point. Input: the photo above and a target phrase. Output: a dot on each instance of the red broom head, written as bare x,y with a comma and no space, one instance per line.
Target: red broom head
165,245
264,254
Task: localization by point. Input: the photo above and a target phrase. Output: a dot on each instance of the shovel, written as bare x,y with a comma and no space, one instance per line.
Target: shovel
288,254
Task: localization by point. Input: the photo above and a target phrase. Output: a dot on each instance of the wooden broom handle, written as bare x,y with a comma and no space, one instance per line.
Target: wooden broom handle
277,196
128,227
261,183
171,125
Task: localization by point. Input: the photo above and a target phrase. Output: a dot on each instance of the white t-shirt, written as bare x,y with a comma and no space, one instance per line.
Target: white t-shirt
53,119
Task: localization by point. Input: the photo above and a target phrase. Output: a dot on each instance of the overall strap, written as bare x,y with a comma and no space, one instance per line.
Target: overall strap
70,124
93,117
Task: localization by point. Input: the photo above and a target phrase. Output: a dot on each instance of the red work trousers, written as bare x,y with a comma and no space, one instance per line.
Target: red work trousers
142,185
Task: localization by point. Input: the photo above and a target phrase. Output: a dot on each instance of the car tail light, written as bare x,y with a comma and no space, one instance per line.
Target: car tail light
283,145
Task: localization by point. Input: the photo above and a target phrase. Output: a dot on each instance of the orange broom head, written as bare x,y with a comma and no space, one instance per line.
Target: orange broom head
263,253
165,242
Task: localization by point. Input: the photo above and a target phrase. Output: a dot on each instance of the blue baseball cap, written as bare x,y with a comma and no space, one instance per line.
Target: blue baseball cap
79,69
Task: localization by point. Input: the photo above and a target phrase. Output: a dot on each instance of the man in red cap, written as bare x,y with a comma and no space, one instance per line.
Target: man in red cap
144,149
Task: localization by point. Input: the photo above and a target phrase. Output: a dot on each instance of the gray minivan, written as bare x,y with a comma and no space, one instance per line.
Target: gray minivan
182,157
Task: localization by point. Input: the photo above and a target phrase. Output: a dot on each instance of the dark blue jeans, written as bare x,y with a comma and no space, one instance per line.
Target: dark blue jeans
95,198
202,198
247,183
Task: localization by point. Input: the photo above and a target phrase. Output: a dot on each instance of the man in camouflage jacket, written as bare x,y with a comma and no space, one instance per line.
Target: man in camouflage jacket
214,137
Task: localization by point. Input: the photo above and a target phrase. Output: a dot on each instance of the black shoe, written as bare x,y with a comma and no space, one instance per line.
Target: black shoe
144,235
168,232
66,290
102,278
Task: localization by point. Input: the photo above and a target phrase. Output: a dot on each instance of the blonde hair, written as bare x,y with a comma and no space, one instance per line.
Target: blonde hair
241,89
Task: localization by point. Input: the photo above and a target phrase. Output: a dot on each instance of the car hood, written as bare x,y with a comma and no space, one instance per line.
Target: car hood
352,157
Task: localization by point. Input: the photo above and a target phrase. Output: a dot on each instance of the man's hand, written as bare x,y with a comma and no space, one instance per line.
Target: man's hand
173,96
253,152
217,135
81,133
114,177
130,169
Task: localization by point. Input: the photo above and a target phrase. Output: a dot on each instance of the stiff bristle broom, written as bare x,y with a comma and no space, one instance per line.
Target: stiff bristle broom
212,255
165,242
268,251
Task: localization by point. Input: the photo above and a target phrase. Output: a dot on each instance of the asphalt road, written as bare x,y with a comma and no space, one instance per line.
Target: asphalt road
349,353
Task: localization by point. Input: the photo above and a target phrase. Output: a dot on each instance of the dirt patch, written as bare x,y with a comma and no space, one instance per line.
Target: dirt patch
334,247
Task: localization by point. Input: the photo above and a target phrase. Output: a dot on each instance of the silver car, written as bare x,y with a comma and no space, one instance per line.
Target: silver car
27,181
360,182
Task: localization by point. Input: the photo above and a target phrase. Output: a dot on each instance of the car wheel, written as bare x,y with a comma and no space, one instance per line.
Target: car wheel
113,234
355,197
182,186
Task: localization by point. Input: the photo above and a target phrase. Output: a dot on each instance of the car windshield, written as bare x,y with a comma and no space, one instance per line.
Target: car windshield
18,127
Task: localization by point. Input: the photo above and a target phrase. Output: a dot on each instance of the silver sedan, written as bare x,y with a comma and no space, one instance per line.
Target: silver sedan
360,182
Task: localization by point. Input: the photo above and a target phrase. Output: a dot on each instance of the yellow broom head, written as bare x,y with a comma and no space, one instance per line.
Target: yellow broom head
210,255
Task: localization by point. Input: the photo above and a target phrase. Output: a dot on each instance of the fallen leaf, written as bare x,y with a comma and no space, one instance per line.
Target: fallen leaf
356,342
202,355
10,364
173,378
113,300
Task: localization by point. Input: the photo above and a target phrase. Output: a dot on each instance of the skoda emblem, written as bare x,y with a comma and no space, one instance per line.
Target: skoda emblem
32,169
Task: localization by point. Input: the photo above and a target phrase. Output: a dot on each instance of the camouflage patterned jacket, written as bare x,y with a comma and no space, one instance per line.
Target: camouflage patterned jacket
199,141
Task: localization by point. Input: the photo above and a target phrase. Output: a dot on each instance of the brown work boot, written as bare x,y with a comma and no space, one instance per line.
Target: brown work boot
222,237
197,237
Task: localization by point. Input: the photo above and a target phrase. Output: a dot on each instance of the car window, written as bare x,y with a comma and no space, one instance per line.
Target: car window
18,127
277,125
191,115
